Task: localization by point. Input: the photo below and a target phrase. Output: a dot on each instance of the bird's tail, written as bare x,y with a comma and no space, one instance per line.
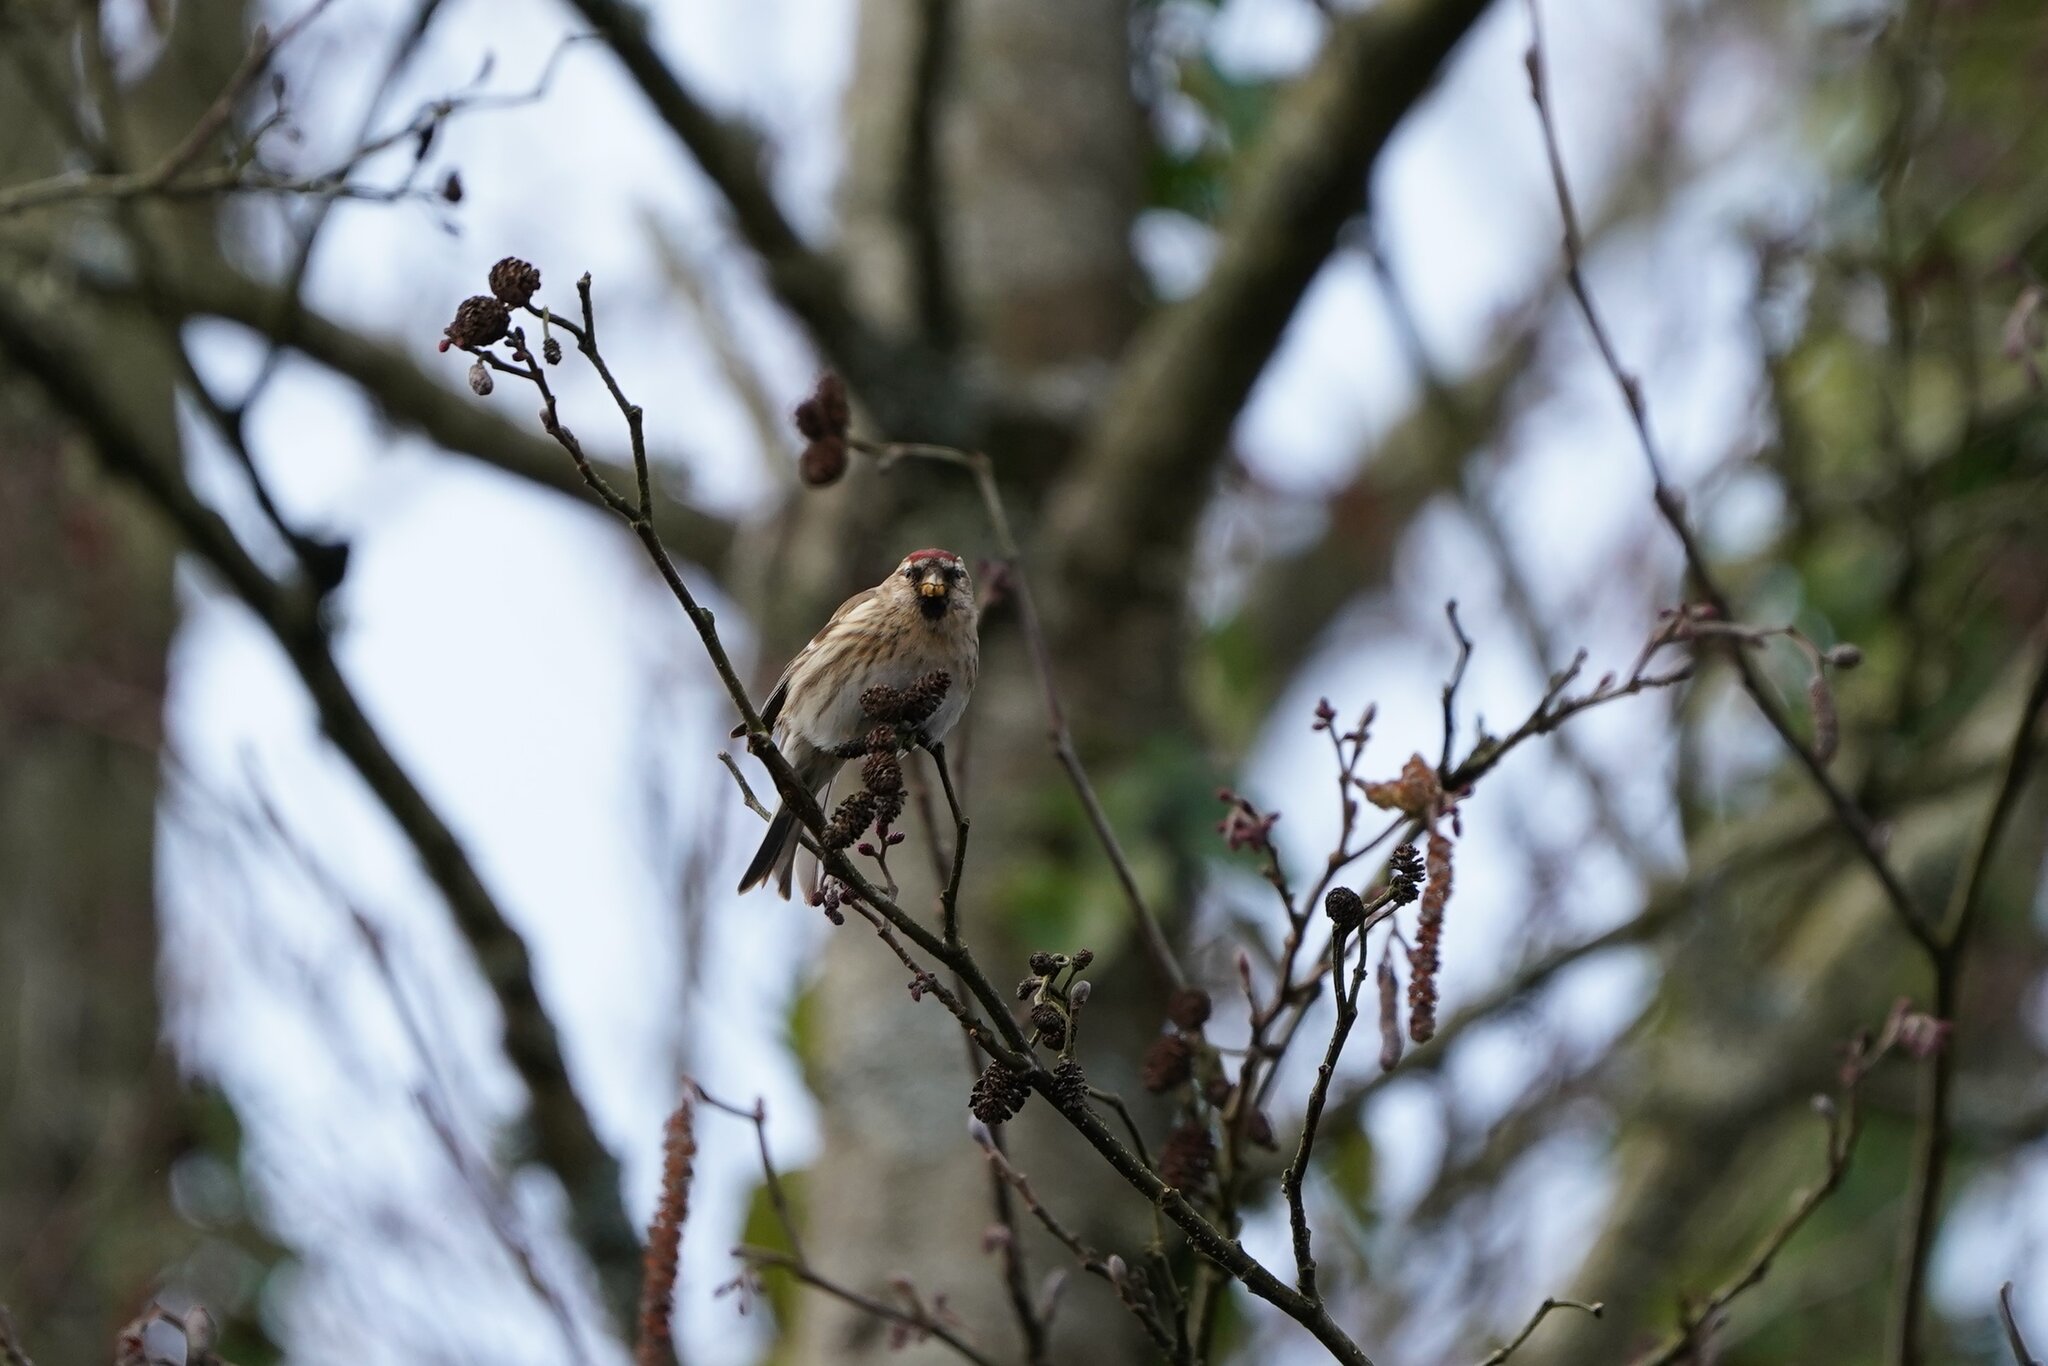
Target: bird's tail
776,857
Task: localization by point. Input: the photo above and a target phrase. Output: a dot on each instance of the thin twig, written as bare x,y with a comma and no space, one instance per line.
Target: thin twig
1031,1325
567,1143
1319,1093
797,1264
1843,1118
778,1198
1543,1311
2021,1355
1851,818
949,899
160,178
919,1319
1932,1135
1001,1036
1062,738
1451,687
1090,1260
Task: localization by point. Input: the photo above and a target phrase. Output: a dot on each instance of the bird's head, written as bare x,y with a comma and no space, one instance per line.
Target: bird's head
936,581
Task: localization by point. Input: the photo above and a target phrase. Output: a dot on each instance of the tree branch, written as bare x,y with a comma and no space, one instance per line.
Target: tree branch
1543,1311
1143,470
920,191
1852,819
1932,1135
565,1140
1001,1036
1062,738
2021,1355
405,393
902,383
1843,1117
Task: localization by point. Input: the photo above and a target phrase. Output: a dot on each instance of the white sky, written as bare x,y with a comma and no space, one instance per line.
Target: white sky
518,658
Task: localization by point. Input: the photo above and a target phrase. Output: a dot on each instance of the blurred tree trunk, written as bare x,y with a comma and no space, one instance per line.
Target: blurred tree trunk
1038,150
93,1113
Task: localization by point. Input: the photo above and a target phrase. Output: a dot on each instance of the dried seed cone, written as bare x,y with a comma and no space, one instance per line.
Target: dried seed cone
1188,1007
833,405
1043,963
850,820
998,1094
1345,908
1070,1086
888,806
1168,1062
551,350
515,281
479,321
1404,875
1051,1023
882,703
823,462
1185,1159
882,772
827,413
922,698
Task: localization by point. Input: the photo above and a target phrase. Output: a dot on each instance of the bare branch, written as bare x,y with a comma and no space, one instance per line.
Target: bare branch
565,1140
1932,1135
1843,1117
916,1316
166,177
978,465
405,393
898,382
920,191
1852,819
2021,1355
1091,1261
1002,1037
1543,1311
1340,1031
1144,468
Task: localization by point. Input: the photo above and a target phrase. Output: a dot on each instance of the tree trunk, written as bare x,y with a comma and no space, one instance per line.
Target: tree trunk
1038,147
94,1118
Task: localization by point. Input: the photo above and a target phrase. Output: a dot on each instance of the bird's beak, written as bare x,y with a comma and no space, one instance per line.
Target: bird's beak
932,586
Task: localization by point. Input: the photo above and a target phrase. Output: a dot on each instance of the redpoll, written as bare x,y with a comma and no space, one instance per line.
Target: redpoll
920,620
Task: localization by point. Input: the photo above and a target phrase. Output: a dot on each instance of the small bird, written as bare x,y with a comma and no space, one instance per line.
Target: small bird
920,619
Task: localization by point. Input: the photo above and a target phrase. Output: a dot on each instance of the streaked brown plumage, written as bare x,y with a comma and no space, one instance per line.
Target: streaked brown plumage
920,619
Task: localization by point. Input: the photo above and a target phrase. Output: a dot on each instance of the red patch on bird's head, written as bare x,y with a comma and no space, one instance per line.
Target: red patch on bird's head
917,555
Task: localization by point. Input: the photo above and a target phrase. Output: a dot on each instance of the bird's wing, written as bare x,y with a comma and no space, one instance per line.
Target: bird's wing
772,708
